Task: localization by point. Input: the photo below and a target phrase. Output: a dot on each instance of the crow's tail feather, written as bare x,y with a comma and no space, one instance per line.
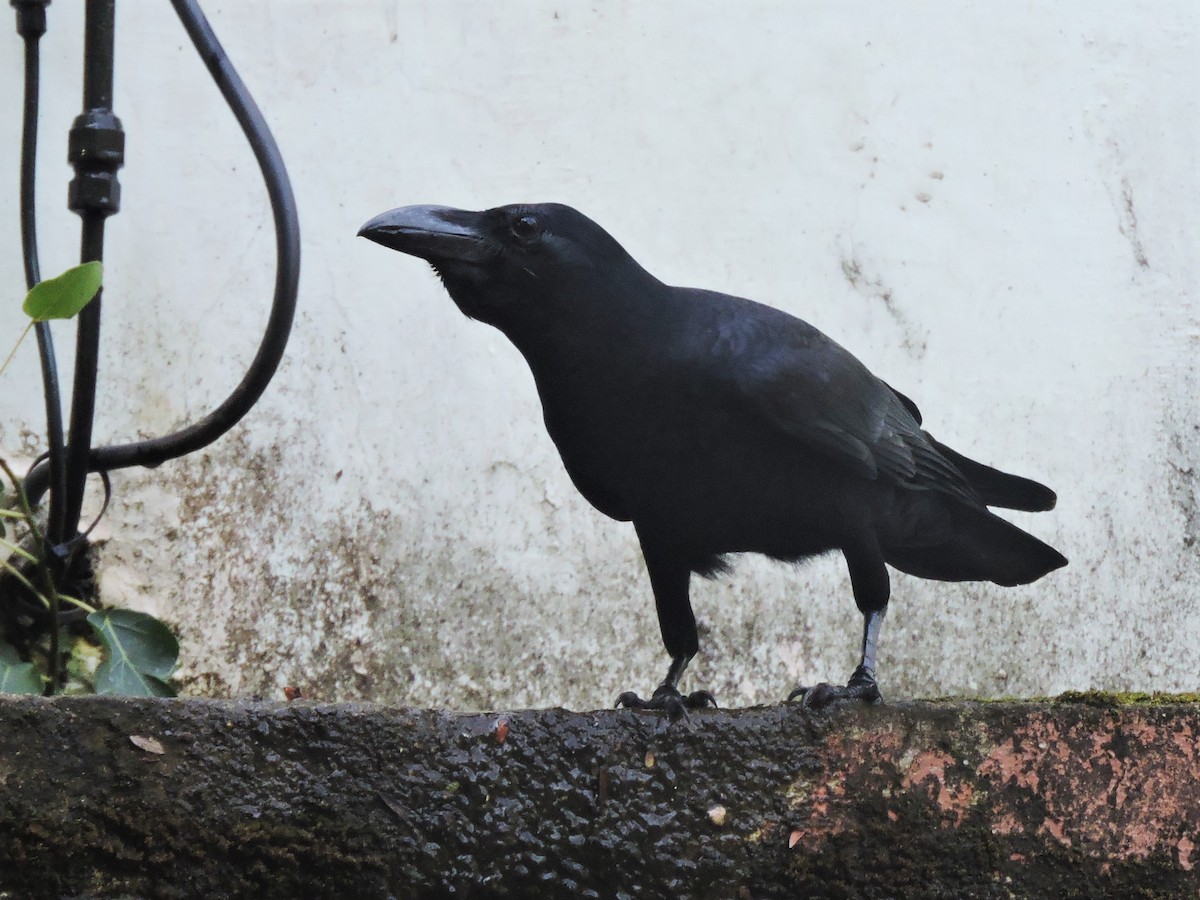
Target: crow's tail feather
998,488
983,547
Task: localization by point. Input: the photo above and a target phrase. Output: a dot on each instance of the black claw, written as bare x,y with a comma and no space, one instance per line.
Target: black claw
862,687
630,700
668,699
674,708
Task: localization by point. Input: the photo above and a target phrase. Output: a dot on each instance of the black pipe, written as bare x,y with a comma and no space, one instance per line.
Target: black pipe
155,451
31,25
96,148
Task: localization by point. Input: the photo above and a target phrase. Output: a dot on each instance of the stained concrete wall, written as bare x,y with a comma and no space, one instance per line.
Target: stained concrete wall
993,206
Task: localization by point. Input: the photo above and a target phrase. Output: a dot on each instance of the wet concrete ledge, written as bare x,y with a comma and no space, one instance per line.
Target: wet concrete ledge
1086,796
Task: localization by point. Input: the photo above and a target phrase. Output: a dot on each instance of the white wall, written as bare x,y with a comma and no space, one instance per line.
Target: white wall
992,204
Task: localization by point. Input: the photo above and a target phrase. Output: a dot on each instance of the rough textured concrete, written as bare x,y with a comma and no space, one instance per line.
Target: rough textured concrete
1088,799
995,211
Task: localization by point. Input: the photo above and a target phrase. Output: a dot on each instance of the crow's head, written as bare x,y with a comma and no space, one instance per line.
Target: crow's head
505,263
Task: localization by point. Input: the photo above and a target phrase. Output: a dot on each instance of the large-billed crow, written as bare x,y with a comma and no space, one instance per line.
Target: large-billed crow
717,425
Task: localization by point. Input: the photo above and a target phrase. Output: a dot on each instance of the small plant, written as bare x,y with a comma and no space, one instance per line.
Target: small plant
81,647
59,298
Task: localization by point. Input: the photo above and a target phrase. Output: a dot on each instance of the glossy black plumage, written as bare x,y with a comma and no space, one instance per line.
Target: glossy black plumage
719,425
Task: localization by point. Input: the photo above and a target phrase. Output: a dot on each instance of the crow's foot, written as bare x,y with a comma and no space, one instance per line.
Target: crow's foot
667,698
862,686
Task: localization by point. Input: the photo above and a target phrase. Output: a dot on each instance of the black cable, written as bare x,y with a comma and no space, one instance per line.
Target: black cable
31,25
155,451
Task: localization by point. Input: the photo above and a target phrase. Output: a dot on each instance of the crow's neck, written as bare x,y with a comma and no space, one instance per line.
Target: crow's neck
590,323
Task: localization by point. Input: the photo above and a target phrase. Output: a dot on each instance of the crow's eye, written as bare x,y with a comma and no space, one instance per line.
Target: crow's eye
526,228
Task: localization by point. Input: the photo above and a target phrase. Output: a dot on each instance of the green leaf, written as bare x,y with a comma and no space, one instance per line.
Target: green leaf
17,677
142,654
64,296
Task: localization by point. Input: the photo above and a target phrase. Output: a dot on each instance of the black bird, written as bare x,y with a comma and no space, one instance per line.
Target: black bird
718,425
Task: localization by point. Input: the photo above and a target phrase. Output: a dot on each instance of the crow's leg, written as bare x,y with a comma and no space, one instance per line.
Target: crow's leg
872,588
862,684
669,577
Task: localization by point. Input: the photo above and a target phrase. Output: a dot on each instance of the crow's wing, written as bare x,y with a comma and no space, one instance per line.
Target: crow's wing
812,389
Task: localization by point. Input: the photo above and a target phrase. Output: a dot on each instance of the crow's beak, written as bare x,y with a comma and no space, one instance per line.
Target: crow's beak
430,232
